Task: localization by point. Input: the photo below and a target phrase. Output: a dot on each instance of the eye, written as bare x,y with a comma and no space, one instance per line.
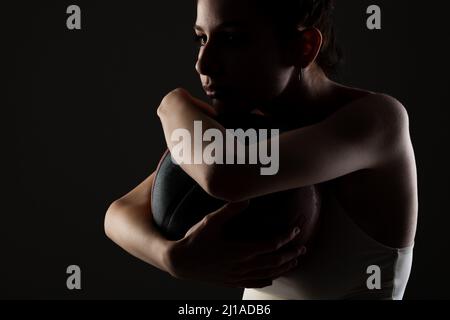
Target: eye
230,37
200,39
233,39
227,39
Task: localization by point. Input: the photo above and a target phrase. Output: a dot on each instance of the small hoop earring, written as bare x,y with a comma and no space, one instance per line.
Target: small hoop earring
301,75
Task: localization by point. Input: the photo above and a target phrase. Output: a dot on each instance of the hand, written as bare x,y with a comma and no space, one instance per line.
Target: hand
205,255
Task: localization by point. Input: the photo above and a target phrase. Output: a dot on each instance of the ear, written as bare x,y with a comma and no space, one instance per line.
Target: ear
310,43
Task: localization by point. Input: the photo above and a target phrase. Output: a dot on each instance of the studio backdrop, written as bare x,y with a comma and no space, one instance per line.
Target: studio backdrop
83,132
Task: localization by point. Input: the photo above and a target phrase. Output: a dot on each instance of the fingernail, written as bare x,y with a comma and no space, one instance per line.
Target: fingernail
297,230
303,250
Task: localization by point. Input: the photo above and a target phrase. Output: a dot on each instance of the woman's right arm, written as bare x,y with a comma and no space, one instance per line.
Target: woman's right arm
204,254
129,223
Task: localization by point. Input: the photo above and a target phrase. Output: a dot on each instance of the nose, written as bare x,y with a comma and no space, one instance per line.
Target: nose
208,61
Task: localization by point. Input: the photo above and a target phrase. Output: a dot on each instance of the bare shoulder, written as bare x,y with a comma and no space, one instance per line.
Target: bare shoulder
374,114
376,124
379,107
387,108
390,118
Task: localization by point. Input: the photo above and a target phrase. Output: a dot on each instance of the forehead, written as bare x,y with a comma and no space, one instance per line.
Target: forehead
216,14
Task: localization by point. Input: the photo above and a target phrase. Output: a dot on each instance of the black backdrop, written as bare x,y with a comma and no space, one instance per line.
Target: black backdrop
82,126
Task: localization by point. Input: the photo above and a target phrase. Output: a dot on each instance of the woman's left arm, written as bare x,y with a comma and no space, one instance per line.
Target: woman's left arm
362,135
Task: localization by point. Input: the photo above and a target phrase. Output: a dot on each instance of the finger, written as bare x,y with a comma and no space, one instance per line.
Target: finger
273,260
218,217
226,212
271,273
271,245
194,228
282,271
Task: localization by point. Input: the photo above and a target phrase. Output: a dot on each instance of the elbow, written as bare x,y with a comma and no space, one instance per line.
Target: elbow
110,219
170,99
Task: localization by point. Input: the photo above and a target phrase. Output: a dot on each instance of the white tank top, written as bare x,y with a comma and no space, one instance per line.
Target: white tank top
337,266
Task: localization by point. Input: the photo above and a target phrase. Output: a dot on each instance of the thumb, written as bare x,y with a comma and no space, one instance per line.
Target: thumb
227,212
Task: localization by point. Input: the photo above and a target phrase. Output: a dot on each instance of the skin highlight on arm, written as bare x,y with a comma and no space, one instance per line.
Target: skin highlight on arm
362,135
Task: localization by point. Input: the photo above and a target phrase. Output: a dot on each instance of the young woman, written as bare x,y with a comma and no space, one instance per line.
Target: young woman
277,57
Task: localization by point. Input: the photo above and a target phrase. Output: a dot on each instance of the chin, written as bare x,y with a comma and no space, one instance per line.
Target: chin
231,106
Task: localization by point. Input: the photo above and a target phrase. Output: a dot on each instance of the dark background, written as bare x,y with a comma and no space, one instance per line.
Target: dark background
82,127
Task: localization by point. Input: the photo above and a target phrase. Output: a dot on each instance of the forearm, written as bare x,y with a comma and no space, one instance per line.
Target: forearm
136,233
178,112
129,223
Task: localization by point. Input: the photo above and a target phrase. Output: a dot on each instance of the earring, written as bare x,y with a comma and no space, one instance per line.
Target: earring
301,75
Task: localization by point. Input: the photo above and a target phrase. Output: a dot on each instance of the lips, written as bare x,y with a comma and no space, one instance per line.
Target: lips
215,92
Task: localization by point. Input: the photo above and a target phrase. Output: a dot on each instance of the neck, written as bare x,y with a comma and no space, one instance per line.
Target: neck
308,97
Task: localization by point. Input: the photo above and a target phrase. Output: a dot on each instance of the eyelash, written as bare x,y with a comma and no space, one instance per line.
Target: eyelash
198,39
235,39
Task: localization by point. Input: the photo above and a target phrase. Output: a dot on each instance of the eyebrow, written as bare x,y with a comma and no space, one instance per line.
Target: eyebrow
228,24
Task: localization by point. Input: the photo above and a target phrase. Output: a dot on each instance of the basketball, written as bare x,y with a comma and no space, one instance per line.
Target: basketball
178,202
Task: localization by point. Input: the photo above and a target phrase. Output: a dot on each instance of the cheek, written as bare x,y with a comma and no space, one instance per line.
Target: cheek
268,82
256,75
263,75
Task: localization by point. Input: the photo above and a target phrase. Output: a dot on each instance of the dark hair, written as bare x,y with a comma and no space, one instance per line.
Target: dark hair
288,15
